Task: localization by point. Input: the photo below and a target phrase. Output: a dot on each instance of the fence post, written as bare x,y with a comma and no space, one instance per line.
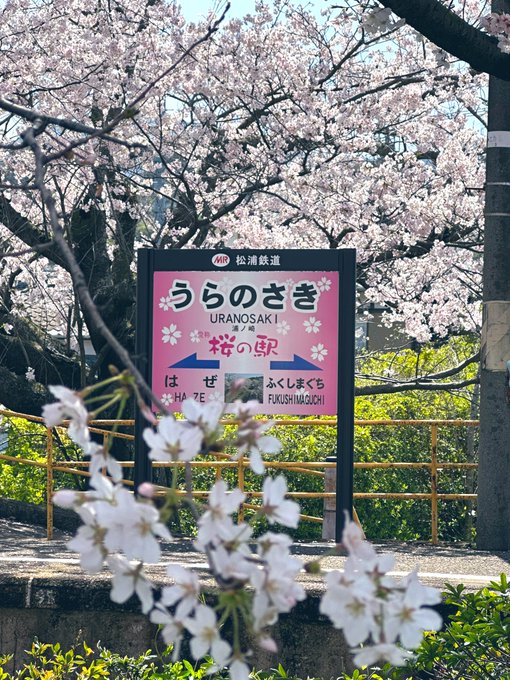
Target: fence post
49,484
217,473
433,483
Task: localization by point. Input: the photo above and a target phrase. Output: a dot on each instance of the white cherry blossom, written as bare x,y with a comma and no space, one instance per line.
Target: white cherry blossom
381,652
184,593
69,406
128,580
66,498
312,325
251,437
216,522
276,580
231,565
89,543
351,606
172,629
274,505
204,416
171,334
142,528
318,352
406,616
239,670
101,460
206,637
173,441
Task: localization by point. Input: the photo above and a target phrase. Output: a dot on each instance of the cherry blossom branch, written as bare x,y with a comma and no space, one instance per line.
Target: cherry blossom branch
130,110
41,248
23,229
42,120
76,272
363,600
127,112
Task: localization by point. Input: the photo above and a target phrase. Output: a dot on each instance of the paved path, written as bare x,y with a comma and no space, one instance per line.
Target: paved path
24,551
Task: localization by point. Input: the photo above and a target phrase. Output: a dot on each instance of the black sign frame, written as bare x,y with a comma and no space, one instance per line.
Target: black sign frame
343,261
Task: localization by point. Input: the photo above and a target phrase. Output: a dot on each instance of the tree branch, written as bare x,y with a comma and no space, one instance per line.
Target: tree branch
450,32
77,274
415,385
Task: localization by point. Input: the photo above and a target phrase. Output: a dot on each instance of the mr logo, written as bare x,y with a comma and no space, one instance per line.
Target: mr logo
220,260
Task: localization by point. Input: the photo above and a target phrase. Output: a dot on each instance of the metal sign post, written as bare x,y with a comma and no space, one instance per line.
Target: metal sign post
281,322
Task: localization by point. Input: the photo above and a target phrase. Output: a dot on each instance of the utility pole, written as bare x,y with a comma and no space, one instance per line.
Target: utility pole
493,515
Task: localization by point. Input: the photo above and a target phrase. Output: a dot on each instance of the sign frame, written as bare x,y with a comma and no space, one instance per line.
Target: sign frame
343,261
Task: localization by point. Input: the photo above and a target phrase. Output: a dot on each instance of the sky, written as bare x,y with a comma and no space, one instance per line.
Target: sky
196,9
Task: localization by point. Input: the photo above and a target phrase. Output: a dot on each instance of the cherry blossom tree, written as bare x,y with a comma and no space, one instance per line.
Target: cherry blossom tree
282,129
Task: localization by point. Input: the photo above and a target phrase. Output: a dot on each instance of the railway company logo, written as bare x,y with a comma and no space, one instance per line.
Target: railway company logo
220,260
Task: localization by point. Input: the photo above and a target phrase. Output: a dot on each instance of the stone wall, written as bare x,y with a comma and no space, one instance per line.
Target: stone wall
67,609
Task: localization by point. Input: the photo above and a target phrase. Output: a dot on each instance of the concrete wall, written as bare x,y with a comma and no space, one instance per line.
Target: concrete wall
67,609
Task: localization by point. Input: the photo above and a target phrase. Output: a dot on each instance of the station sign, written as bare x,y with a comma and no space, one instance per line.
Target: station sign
276,326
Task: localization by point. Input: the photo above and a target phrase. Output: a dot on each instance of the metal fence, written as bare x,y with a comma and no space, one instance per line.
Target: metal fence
221,462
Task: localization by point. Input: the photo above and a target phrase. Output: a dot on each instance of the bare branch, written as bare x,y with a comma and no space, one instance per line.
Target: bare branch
429,378
416,385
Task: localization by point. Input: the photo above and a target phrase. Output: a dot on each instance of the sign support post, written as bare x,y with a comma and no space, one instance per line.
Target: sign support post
345,415
144,287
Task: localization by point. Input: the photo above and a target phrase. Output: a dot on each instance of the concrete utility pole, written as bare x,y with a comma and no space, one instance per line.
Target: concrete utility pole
493,516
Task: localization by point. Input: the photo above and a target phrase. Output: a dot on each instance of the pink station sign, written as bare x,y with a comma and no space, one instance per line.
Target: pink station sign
276,331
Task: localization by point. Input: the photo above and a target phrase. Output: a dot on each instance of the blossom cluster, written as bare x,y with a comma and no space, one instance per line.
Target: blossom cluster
257,577
498,25
379,20
366,603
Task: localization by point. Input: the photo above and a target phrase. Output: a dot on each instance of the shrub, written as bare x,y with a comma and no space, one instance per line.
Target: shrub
405,520
81,662
25,439
475,644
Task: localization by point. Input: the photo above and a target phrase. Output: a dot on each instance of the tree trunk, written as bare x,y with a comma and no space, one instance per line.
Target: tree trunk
493,521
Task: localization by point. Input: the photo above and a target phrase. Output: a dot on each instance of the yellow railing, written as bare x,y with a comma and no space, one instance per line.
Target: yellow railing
313,468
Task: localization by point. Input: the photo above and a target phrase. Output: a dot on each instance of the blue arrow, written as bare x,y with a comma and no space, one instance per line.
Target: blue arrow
193,362
297,364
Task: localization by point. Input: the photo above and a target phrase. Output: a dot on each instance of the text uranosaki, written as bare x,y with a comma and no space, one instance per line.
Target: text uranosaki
244,318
